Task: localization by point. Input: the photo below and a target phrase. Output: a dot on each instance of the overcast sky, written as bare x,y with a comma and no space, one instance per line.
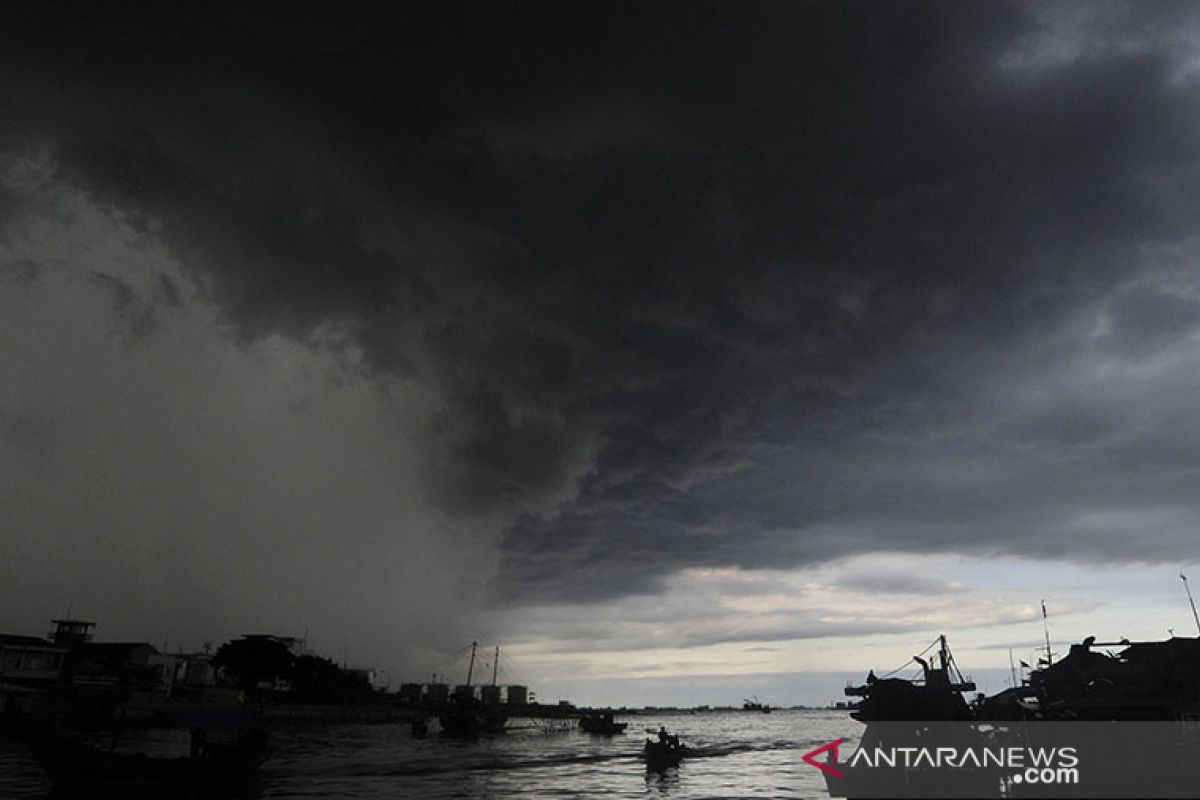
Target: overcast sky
655,341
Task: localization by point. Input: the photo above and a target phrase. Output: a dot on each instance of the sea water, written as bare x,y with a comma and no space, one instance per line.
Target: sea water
736,754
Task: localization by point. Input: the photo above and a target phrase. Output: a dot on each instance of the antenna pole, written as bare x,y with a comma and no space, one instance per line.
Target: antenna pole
1046,628
495,664
1012,669
471,667
1195,616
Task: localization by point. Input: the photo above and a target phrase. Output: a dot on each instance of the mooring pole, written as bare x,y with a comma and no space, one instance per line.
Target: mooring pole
1187,589
1046,628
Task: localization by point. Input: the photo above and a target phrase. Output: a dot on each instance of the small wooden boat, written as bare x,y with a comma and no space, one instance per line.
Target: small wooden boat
75,766
601,724
467,718
664,753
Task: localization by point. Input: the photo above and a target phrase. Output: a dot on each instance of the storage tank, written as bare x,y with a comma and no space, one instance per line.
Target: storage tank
490,695
518,695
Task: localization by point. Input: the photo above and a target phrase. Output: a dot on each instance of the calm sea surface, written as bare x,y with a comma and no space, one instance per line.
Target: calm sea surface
739,754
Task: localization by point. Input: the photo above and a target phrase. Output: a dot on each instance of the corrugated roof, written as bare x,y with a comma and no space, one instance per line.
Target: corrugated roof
24,641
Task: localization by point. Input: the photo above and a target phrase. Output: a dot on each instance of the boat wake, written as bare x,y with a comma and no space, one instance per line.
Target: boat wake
503,764
500,764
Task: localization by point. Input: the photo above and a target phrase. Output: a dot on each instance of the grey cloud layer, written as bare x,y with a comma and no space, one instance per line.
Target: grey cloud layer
696,285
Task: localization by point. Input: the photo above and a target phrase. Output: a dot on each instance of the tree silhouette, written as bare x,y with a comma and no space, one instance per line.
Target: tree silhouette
252,659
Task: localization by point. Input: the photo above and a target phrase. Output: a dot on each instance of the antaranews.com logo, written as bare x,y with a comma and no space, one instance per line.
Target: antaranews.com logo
1032,765
1036,758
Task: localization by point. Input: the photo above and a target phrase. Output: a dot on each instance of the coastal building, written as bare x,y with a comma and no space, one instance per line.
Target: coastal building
70,632
107,664
377,679
28,667
28,659
437,693
197,670
67,667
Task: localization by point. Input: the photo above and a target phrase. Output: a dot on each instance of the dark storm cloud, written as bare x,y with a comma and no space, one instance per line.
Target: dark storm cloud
32,430
898,583
136,318
695,285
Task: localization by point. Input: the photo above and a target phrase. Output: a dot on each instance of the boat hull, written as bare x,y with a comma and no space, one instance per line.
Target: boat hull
74,766
662,755
602,727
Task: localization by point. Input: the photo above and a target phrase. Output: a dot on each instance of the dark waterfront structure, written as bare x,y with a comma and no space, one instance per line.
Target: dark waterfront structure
210,769
68,675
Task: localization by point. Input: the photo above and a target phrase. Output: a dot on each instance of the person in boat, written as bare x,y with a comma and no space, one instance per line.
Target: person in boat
871,679
199,739
662,734
420,727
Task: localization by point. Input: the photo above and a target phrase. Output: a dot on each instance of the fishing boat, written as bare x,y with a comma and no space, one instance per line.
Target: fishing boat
1153,686
77,767
913,712
1141,682
937,695
602,724
466,716
1156,681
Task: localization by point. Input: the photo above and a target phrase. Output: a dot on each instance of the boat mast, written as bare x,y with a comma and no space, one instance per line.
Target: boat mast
1190,600
1046,628
495,664
471,667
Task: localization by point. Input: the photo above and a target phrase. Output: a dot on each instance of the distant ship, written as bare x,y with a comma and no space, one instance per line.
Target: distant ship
755,705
